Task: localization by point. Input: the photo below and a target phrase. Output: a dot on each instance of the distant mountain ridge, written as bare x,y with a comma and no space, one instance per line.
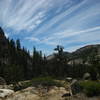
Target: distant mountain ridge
81,53
87,50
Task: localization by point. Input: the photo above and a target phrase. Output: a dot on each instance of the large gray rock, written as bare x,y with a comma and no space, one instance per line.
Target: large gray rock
30,93
11,87
5,93
68,79
98,76
86,76
75,87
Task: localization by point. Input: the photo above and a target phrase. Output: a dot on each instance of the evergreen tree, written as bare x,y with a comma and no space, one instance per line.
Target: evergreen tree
18,44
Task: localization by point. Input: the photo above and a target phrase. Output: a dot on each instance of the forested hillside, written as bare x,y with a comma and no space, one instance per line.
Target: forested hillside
16,63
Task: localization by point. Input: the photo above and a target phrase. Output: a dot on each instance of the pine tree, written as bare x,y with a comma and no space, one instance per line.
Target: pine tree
18,45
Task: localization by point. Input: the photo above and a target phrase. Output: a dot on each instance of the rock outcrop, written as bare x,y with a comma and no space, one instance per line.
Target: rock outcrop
5,93
86,76
35,93
75,87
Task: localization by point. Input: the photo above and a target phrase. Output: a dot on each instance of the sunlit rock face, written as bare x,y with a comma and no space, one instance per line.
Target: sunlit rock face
42,93
34,93
5,93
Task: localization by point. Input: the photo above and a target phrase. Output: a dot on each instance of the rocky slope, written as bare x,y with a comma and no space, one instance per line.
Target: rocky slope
80,55
54,93
34,93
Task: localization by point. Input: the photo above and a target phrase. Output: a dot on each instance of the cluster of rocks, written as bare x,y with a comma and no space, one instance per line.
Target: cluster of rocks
34,93
31,93
42,93
37,93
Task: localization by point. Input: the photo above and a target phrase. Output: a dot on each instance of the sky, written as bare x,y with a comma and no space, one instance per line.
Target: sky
48,23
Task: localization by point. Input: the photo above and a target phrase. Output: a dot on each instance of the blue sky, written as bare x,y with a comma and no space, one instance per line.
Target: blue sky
47,23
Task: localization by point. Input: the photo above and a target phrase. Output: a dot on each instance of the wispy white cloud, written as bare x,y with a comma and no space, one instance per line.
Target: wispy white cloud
23,14
59,17
7,35
60,38
66,34
51,22
32,39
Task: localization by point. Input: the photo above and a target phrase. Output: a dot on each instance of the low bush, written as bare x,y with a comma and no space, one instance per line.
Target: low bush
90,88
45,81
22,85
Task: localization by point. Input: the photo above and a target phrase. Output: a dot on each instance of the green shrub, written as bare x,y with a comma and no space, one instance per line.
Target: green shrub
22,85
45,81
90,88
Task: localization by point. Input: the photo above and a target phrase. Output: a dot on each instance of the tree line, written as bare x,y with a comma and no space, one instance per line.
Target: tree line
16,63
